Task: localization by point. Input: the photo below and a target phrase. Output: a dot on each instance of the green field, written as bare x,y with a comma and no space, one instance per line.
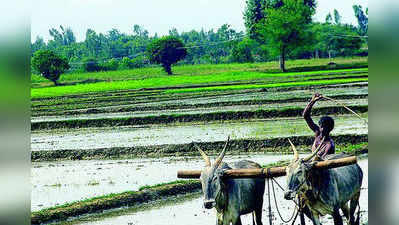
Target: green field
184,80
203,69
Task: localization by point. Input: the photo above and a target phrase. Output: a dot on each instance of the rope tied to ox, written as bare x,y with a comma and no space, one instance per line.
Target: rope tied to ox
296,211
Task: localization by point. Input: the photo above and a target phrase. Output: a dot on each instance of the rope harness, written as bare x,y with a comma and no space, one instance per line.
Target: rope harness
296,211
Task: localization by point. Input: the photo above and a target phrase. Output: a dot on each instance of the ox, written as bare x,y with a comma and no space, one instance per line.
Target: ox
230,197
324,191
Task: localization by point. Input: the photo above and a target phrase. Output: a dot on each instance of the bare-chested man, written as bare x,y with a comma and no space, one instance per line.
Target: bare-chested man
326,124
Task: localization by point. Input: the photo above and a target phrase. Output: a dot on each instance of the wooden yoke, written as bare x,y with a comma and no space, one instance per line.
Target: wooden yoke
269,172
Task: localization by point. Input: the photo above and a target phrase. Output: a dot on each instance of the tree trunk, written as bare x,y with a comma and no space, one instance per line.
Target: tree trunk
168,68
282,60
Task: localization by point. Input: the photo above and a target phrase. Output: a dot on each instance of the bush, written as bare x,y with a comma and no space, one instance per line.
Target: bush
139,61
126,63
110,65
241,52
49,64
91,65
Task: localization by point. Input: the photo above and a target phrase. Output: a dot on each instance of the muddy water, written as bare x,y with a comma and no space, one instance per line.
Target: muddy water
281,95
349,102
56,183
93,138
191,212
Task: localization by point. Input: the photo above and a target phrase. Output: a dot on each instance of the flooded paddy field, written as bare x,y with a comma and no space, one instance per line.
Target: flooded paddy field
55,183
95,122
185,100
179,212
130,136
196,110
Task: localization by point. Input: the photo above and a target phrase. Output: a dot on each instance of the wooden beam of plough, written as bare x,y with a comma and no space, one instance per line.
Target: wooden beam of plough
270,172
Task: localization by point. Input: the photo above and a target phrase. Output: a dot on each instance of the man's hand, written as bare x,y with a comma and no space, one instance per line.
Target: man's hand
316,97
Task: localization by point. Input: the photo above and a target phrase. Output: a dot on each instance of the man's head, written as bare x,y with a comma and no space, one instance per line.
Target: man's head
326,124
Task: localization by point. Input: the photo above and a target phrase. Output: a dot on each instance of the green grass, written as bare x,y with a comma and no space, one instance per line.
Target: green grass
146,187
352,148
156,72
173,81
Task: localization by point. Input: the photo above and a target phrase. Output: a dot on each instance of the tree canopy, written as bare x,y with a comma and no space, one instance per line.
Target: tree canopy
166,51
242,52
114,49
286,27
49,64
362,19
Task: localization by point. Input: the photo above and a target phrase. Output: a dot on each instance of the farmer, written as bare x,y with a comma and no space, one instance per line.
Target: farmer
326,124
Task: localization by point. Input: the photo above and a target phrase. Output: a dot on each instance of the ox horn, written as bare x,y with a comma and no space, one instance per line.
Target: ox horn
296,155
220,158
315,151
204,156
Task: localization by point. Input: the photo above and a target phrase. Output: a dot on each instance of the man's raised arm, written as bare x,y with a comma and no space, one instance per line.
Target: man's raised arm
307,111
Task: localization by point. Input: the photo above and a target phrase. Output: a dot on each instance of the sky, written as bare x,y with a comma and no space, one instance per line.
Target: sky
157,16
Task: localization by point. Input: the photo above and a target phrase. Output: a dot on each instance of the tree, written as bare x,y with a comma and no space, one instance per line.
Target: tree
340,39
255,12
50,65
166,51
286,27
329,18
337,17
362,19
65,37
242,51
38,44
93,43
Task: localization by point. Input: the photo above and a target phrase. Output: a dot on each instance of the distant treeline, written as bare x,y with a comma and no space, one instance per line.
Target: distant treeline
116,50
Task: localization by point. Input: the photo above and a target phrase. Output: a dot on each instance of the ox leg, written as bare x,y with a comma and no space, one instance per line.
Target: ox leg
302,207
237,221
308,213
337,217
314,216
352,208
258,216
345,210
219,218
302,218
